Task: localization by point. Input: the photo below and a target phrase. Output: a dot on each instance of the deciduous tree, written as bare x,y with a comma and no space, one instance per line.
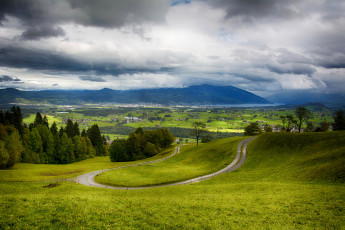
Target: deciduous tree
302,115
198,128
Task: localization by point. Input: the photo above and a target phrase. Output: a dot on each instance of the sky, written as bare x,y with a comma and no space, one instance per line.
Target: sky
263,46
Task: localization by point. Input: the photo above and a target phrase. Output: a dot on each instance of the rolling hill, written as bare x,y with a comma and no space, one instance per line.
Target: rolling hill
288,181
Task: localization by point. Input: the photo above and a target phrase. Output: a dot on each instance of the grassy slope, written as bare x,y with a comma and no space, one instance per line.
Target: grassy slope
190,163
265,193
21,172
306,157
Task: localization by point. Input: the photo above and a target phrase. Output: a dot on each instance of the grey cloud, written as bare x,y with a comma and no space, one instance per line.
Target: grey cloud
16,57
250,10
101,13
36,33
6,78
92,78
291,68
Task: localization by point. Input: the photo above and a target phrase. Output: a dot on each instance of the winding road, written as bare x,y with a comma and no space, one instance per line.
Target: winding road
88,179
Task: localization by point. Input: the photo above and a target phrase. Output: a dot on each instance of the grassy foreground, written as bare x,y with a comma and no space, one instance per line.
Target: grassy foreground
190,163
287,182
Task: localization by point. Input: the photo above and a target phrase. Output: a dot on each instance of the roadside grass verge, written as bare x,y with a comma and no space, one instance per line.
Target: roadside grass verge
191,162
50,172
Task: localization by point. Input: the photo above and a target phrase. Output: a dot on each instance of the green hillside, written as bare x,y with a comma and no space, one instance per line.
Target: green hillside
288,181
290,157
190,163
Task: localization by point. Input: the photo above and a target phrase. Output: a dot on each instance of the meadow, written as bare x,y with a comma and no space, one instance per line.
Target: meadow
288,181
118,121
190,163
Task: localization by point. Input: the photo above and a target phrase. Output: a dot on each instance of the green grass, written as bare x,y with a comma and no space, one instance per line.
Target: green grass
305,157
191,162
49,172
278,187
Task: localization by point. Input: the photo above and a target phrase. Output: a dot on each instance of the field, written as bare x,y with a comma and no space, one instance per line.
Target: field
118,121
288,181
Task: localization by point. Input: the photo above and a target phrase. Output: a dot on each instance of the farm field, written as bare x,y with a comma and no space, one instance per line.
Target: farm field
288,181
117,122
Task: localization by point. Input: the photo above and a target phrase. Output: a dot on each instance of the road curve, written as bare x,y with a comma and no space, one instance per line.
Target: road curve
89,178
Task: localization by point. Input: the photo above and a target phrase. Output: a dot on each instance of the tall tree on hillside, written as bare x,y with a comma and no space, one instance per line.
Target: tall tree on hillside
96,139
69,128
198,128
45,121
17,119
76,130
54,129
302,115
38,119
339,121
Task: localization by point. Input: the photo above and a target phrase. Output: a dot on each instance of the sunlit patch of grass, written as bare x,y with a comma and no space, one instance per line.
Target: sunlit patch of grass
191,162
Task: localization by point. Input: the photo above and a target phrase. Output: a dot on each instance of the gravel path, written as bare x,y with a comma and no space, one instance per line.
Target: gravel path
89,178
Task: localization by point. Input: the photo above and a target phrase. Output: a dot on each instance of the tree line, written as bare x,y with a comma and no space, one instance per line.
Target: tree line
40,143
140,144
300,117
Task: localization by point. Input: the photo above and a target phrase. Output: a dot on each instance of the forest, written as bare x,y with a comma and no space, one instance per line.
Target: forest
41,143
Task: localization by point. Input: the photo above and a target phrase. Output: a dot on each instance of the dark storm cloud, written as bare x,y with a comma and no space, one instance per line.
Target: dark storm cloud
92,78
5,78
36,33
43,60
102,13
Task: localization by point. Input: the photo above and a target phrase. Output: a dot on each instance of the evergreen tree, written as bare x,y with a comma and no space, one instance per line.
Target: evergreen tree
36,144
96,139
17,119
339,121
70,128
61,131
76,131
83,133
48,143
38,119
54,129
45,121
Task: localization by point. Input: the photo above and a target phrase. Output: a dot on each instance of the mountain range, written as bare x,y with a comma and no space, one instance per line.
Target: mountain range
193,95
